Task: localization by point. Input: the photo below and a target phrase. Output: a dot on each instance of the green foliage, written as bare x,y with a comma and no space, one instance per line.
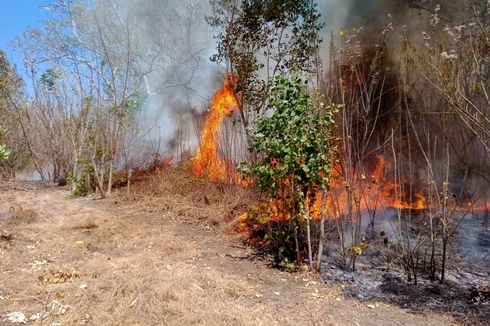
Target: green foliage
81,188
49,79
83,184
134,101
4,152
273,237
294,143
130,106
256,35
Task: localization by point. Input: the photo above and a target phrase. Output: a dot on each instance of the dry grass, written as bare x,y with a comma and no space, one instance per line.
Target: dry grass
22,213
164,294
175,189
138,268
86,225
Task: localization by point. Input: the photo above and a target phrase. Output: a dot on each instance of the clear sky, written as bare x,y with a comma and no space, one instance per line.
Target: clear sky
16,16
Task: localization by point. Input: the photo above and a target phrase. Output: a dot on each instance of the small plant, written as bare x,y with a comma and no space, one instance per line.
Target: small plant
4,153
81,185
269,231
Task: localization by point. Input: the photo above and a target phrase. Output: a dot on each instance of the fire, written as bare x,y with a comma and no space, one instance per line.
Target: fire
368,192
365,192
207,163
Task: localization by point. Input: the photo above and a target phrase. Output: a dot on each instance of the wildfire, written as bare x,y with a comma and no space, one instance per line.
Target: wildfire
207,163
365,192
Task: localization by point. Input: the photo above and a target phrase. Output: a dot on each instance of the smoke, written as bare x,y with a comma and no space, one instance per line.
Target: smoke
173,43
176,44
372,15
346,14
169,44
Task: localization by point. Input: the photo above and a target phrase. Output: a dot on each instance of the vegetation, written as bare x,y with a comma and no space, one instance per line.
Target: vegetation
4,152
14,152
258,38
294,147
378,141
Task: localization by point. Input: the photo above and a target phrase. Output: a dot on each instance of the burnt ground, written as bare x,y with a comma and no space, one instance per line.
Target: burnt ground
465,294
463,300
115,262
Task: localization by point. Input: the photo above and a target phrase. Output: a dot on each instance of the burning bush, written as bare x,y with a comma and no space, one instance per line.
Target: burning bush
294,147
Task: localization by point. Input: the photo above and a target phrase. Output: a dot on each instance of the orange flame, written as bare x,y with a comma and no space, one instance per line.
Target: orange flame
207,163
369,192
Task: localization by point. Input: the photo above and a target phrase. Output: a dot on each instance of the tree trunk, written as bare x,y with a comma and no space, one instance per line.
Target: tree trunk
444,256
98,182
308,237
296,241
128,183
75,177
322,231
111,171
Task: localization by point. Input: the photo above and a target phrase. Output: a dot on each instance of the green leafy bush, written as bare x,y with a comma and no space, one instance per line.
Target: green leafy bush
83,184
293,144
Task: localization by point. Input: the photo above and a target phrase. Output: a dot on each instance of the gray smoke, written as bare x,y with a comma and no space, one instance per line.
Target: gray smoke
170,45
173,44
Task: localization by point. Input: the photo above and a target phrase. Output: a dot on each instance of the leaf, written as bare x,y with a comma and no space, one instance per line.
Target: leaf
356,251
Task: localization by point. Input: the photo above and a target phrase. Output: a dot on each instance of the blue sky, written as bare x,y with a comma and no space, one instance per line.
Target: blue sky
17,15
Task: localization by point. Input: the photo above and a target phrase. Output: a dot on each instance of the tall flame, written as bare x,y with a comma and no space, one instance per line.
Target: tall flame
207,163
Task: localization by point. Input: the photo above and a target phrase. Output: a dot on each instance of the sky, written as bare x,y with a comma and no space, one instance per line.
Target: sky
17,15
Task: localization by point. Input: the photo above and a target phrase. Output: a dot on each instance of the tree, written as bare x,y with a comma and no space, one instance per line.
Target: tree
89,66
453,80
16,152
454,64
8,81
260,39
294,148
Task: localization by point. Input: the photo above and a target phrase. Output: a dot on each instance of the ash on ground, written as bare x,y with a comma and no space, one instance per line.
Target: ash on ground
465,294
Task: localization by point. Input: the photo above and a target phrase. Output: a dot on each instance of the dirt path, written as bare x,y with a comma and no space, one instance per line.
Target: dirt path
92,262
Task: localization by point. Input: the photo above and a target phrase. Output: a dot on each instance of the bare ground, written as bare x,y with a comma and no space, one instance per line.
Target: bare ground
103,262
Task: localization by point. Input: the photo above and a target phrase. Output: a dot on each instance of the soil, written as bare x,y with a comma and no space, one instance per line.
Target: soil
107,262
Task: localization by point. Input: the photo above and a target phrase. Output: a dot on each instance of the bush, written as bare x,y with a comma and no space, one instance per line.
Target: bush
293,147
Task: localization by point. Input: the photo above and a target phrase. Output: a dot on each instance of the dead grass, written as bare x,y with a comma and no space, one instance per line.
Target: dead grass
22,213
175,189
168,295
154,268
